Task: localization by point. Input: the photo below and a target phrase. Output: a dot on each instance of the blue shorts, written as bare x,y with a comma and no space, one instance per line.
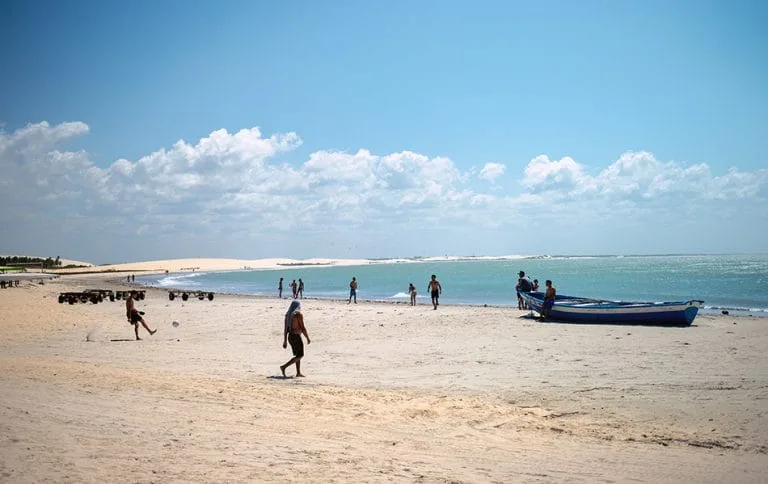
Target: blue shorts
548,305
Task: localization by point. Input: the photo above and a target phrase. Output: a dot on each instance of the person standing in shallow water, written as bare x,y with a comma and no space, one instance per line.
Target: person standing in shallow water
300,290
280,288
435,289
294,328
294,289
412,293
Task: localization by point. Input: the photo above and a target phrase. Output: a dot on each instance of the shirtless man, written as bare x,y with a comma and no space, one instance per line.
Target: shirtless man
294,328
549,300
134,317
435,289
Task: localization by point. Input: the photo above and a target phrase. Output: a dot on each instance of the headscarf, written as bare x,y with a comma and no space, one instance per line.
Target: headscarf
294,307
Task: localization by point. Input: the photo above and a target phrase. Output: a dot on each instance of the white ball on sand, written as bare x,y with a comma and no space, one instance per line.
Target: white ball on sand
175,324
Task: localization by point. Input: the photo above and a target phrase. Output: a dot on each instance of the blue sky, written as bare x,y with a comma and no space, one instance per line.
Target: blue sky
384,128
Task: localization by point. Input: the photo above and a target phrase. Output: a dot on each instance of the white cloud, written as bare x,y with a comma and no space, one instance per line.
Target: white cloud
231,188
491,171
638,176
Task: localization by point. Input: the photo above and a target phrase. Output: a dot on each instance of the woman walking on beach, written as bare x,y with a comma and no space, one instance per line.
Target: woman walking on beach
412,292
294,328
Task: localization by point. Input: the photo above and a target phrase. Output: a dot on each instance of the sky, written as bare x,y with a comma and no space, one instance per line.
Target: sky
148,130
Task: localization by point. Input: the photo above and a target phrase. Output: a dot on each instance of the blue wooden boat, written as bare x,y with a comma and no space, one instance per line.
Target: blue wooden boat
584,310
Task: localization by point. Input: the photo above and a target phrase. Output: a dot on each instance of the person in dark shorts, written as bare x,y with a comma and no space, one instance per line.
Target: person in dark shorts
435,289
280,288
549,300
352,290
135,316
293,329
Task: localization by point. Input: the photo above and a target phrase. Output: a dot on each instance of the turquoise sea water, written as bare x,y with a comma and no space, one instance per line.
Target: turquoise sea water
737,283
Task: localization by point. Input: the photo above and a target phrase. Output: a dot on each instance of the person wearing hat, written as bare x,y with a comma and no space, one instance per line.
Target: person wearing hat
523,285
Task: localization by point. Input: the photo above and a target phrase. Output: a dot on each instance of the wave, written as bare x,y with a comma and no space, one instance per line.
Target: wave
736,308
183,279
403,295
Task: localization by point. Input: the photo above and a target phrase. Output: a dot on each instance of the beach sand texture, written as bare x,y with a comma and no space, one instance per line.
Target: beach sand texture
393,393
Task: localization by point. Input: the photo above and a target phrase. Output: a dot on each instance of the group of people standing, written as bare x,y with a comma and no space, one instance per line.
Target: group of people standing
297,289
433,288
524,285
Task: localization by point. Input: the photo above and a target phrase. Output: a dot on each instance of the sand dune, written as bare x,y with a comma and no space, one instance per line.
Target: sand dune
393,393
202,264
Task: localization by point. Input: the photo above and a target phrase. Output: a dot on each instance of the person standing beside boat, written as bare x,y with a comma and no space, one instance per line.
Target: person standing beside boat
549,299
523,285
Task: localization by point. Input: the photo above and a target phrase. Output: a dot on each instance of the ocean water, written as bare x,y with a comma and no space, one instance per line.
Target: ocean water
737,283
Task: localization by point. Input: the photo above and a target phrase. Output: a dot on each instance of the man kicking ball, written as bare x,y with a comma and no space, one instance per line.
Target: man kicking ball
134,316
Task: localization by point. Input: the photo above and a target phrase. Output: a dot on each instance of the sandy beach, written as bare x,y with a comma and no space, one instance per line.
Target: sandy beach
393,393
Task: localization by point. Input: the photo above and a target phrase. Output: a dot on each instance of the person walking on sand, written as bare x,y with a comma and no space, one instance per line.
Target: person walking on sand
352,290
293,288
412,292
301,289
135,316
294,328
435,289
280,288
549,299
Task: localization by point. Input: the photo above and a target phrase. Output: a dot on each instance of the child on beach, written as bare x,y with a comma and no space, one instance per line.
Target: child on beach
412,292
135,316
294,328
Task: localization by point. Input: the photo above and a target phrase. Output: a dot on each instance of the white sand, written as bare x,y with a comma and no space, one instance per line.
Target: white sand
202,264
393,393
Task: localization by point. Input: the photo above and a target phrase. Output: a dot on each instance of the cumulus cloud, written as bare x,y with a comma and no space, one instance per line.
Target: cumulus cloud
638,176
491,171
234,184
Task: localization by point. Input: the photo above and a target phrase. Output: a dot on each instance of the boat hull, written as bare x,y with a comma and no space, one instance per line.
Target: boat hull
591,311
